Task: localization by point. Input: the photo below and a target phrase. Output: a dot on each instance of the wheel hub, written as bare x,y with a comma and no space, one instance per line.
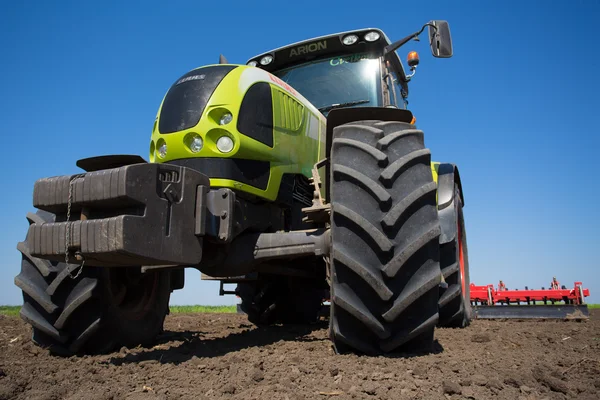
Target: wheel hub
132,291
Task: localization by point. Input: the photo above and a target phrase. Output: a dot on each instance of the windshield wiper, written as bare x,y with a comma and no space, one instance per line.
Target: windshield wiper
348,104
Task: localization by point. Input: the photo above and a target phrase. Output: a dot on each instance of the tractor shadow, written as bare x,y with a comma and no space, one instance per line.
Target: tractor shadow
200,344
176,347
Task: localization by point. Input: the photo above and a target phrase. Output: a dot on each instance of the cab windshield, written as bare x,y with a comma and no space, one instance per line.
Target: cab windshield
348,81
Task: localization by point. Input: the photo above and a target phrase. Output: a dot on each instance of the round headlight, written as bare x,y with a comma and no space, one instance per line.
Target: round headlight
224,144
266,60
162,150
253,63
196,144
372,36
350,39
225,119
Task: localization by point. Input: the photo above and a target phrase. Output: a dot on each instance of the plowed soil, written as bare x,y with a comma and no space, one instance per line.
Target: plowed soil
216,356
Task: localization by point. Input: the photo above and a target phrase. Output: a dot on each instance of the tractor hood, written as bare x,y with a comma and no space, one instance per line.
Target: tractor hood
187,98
241,126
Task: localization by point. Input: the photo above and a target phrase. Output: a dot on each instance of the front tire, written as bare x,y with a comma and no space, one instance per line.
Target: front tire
100,310
385,270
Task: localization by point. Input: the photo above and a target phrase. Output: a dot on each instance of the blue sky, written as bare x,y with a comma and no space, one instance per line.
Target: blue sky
516,108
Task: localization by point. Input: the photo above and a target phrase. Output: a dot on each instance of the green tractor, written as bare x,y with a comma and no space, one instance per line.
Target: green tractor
300,177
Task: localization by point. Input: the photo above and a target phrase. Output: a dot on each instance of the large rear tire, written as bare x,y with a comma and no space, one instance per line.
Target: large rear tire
385,270
455,303
99,310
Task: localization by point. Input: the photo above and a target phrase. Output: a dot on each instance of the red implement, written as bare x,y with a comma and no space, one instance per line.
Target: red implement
488,302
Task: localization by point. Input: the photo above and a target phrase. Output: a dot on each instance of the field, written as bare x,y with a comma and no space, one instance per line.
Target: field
221,355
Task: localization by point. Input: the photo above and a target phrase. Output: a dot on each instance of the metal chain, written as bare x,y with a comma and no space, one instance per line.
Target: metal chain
68,229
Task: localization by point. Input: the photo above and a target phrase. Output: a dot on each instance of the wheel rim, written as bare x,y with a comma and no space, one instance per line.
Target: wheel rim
132,292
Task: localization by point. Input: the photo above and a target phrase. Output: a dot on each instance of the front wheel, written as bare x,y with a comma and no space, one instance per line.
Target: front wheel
99,310
385,270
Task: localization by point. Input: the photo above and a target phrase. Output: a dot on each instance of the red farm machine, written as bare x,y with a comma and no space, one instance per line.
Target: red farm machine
555,302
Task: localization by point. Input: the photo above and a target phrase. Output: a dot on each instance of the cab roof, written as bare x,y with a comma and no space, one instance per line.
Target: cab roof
323,46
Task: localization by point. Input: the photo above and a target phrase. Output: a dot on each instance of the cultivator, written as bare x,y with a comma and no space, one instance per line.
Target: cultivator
557,303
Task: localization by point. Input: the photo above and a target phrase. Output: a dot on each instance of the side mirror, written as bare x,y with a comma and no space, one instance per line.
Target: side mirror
440,39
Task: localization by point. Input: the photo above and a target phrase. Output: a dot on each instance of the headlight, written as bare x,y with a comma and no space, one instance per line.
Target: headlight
253,63
196,144
266,60
372,36
193,141
225,144
225,119
350,39
162,150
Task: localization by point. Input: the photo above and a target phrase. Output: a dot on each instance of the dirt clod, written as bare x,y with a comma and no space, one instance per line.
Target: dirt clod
221,356
513,381
480,380
258,375
369,387
556,385
495,384
481,338
228,389
468,393
451,388
454,366
550,380
465,382
420,370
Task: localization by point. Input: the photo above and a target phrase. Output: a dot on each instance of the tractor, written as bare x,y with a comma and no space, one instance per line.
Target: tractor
300,177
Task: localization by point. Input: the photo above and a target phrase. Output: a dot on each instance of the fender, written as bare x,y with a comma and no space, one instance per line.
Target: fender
448,177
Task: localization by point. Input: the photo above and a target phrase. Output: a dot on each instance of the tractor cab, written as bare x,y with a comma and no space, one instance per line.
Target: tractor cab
351,69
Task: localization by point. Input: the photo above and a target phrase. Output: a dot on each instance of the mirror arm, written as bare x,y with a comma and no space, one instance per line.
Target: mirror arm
396,45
